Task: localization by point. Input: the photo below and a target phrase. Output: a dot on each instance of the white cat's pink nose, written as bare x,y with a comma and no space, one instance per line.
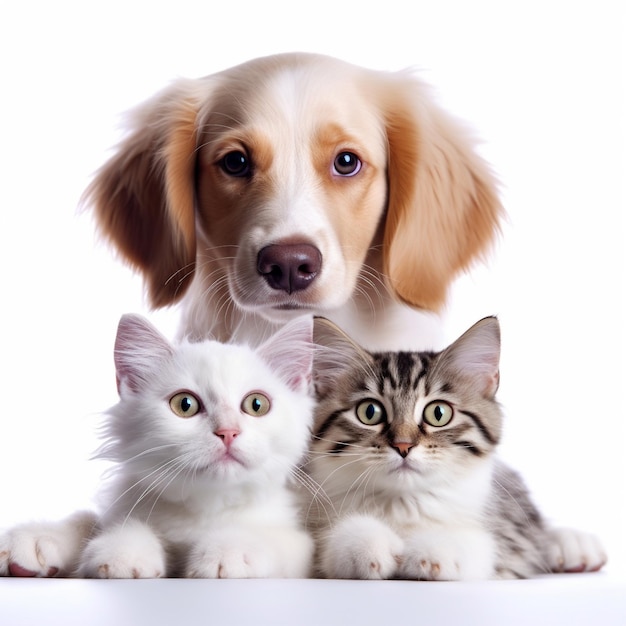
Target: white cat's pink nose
227,435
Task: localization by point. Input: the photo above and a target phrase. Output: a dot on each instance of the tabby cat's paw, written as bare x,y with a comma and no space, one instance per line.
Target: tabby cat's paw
574,551
448,555
130,550
45,549
361,547
422,567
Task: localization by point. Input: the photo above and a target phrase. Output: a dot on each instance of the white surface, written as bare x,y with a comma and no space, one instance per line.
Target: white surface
586,600
542,82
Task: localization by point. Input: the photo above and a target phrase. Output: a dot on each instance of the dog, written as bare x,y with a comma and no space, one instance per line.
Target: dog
298,183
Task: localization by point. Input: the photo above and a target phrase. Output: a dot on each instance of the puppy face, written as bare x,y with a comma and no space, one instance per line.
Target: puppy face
293,182
296,162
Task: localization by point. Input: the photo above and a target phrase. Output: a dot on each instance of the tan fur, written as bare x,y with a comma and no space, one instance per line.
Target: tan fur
443,206
422,208
144,197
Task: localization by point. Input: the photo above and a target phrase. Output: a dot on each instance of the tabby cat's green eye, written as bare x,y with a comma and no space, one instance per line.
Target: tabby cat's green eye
438,413
256,404
184,404
370,412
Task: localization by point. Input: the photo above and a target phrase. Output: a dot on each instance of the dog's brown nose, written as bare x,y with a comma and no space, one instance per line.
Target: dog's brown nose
289,267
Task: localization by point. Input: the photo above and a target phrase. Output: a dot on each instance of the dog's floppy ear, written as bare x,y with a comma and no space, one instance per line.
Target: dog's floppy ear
443,207
144,195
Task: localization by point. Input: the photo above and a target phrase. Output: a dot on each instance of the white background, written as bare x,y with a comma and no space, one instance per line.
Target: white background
542,82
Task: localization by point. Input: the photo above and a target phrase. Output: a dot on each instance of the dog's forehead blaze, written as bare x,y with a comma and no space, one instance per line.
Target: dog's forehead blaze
291,99
292,121
293,127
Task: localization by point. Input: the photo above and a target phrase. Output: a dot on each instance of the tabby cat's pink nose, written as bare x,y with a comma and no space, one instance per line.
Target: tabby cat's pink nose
403,448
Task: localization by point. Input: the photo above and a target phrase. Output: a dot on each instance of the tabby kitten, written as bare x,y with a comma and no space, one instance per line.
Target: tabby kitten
409,483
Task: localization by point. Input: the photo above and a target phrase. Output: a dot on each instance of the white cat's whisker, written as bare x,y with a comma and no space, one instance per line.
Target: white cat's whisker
319,496
182,465
161,471
162,474
155,469
149,452
323,503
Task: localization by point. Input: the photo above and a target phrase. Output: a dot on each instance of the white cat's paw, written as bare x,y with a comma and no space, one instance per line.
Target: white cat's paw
252,552
45,549
449,554
361,547
30,550
574,551
230,555
130,550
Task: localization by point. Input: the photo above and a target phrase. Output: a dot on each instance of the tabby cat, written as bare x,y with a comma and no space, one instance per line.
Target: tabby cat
409,482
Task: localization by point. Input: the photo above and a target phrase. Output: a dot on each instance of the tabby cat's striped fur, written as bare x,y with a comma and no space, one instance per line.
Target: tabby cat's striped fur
404,453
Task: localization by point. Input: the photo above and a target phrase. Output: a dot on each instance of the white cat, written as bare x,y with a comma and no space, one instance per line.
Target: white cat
205,438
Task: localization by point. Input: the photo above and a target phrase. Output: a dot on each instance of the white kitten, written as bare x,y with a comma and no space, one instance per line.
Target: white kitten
205,439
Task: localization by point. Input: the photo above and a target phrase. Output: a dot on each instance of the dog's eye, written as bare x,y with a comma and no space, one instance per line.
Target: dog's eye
346,164
236,163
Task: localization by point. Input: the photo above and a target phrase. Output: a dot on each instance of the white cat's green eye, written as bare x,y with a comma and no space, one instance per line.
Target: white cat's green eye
256,404
184,404
438,413
370,412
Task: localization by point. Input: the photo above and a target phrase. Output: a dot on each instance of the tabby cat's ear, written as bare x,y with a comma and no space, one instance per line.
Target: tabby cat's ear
139,347
289,352
335,354
475,356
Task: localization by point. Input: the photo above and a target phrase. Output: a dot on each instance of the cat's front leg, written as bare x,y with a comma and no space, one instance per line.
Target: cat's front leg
449,554
45,549
361,547
128,550
251,553
293,549
574,551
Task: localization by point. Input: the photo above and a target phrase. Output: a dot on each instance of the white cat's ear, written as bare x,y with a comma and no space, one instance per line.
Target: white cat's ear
289,352
475,356
335,354
139,346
